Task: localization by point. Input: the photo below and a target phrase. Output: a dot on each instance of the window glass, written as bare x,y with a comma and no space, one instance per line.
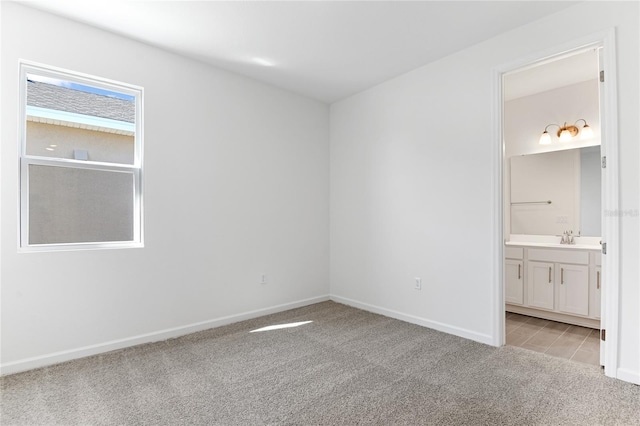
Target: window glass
78,121
81,161
73,205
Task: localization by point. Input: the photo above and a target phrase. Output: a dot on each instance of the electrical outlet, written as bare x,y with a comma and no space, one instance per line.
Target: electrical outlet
418,284
263,279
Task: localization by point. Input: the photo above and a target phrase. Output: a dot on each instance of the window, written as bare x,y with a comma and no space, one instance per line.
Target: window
80,161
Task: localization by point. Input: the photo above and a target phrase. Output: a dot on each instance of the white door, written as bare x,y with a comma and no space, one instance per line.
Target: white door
573,289
540,278
513,283
599,296
608,195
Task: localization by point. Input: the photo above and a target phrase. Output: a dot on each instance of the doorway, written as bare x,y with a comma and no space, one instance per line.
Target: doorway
553,207
556,292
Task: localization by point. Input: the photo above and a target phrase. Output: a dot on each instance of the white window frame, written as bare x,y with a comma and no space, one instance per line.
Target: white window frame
25,160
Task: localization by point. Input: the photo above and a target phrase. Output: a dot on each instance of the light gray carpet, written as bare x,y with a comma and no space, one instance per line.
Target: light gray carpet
347,367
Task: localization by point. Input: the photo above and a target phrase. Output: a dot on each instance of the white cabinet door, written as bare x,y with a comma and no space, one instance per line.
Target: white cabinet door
513,285
595,306
573,289
540,278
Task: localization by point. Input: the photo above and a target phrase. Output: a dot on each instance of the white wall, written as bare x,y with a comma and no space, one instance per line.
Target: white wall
411,182
525,118
235,185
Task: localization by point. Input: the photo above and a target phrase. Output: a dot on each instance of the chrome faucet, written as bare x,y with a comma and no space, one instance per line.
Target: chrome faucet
567,237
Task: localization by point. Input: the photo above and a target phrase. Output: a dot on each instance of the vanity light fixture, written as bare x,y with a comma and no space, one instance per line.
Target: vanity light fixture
567,132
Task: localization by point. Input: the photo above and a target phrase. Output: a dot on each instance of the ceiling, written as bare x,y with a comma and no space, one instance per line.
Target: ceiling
326,50
552,75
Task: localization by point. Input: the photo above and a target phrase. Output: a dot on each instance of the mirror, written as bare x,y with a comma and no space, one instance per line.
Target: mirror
553,192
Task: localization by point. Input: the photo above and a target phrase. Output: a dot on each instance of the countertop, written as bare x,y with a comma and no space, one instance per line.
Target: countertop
550,241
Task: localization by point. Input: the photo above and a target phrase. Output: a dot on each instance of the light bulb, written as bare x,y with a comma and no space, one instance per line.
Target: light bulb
565,135
587,132
545,138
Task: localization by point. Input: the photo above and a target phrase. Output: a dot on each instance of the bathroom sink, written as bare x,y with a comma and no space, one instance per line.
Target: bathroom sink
584,243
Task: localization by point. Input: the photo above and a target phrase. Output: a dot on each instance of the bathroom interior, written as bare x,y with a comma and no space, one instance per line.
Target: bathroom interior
552,212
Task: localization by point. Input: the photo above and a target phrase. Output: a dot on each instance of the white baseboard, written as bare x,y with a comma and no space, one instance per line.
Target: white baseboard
628,376
71,354
446,328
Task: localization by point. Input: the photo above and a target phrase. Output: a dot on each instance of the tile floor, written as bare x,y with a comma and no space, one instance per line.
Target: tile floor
554,338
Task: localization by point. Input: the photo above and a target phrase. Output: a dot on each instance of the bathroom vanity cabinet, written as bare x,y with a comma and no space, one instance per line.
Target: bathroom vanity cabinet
560,284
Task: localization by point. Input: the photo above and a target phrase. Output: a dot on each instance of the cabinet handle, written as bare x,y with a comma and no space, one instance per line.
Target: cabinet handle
519,276
549,274
598,280
561,275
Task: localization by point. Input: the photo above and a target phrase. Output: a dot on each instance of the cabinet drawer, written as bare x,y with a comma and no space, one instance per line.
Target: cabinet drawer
514,252
560,256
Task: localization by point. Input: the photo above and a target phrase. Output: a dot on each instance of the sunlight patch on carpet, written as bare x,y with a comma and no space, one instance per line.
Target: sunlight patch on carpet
280,326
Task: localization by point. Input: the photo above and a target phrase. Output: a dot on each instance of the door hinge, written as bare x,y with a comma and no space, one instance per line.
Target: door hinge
604,162
601,76
604,248
603,335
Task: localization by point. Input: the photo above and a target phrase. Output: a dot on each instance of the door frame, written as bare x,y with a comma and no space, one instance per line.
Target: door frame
610,186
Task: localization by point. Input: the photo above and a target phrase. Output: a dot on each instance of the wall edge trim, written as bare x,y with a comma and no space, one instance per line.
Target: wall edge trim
627,375
156,336
435,325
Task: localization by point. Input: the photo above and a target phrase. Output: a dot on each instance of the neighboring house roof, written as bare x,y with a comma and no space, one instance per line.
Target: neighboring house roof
49,96
63,106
